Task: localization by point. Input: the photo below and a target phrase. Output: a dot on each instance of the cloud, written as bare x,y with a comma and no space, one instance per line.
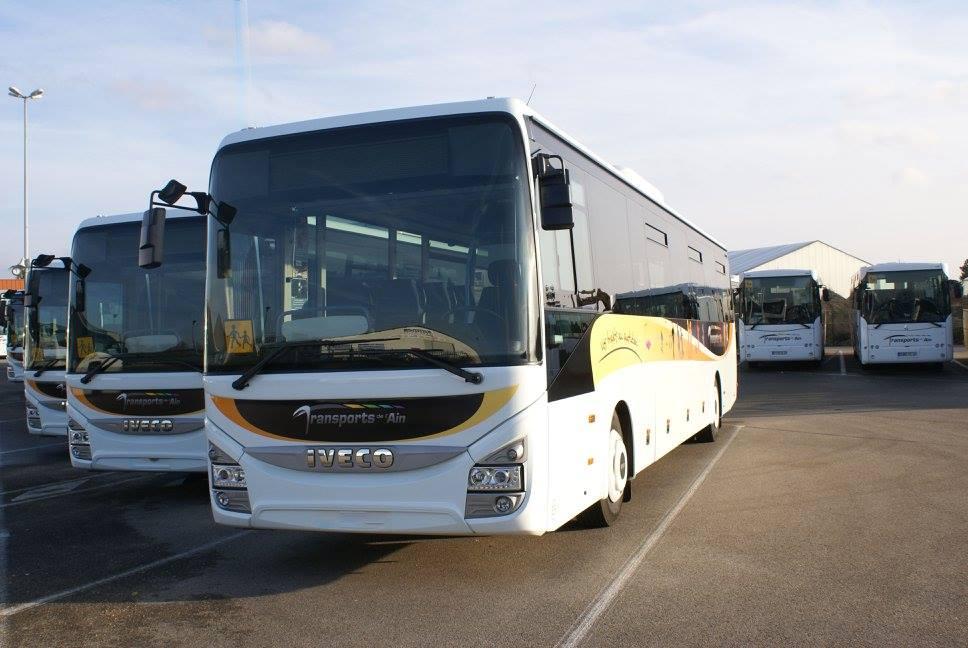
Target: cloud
275,39
888,135
154,95
912,177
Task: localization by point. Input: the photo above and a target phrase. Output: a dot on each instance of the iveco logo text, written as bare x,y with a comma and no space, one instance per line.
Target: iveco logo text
146,425
349,458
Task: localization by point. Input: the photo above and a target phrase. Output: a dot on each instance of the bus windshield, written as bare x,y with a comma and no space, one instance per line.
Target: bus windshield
904,297
149,320
47,321
415,233
779,300
15,324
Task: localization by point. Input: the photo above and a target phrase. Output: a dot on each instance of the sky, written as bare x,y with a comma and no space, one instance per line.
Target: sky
762,122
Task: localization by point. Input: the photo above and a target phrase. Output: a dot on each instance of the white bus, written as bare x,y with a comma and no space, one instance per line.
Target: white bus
410,326
14,315
780,317
135,399
902,313
45,345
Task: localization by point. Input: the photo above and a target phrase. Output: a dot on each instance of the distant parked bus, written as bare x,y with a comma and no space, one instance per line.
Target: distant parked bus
902,313
411,325
14,315
45,346
780,316
134,379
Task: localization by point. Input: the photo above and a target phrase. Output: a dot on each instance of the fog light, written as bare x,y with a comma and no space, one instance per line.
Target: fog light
232,500
503,504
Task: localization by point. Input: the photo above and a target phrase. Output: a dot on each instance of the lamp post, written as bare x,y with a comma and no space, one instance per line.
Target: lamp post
16,94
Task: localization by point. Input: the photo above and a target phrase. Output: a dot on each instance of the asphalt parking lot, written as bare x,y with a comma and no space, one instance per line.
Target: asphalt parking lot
833,509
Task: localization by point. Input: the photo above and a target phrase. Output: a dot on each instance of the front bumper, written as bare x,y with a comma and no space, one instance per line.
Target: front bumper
132,452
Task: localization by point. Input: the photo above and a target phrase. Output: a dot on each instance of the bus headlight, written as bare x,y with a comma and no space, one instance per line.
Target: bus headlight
224,476
495,478
33,417
229,488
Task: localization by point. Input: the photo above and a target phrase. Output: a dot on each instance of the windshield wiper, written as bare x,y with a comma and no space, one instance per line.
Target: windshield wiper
47,365
242,381
97,367
473,377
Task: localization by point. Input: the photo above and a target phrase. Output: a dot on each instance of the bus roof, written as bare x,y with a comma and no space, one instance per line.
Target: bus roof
781,272
133,217
902,267
509,105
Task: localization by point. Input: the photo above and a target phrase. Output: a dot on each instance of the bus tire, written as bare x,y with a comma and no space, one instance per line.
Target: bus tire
605,512
708,433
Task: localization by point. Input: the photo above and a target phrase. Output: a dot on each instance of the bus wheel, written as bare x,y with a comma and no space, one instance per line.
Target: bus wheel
708,433
604,512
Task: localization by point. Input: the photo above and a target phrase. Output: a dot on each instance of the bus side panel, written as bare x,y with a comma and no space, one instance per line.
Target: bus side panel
575,478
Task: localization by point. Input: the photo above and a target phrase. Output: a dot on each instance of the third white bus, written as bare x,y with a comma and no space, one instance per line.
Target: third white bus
902,313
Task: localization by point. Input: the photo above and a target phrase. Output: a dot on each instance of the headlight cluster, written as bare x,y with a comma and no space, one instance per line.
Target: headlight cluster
228,476
496,485
79,439
229,488
33,417
495,478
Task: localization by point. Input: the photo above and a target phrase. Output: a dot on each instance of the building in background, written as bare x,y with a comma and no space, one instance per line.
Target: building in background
11,284
835,267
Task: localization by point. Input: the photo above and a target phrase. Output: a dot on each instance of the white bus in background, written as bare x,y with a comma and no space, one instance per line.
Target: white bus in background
3,327
409,325
14,315
902,313
780,316
45,345
135,399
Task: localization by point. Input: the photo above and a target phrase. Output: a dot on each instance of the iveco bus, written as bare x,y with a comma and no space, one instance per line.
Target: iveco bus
412,325
134,379
780,316
14,311
902,313
45,345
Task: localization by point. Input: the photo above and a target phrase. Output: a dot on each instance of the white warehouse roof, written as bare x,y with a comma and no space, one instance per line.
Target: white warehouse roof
834,266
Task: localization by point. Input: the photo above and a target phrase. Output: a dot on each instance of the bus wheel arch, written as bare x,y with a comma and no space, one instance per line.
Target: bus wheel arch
605,511
625,418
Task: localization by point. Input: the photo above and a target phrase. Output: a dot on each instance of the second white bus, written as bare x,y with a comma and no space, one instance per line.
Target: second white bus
134,380
780,316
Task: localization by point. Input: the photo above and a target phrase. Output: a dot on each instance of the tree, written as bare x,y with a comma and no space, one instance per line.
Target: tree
964,270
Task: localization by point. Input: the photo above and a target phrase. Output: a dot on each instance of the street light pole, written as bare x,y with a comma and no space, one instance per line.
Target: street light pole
16,94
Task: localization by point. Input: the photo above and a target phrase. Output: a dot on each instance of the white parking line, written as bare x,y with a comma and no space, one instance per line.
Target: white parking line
843,363
17,609
597,607
47,496
36,447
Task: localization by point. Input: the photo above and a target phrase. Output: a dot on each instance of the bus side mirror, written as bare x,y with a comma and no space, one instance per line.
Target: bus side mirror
152,249
956,288
79,294
825,294
223,253
554,190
